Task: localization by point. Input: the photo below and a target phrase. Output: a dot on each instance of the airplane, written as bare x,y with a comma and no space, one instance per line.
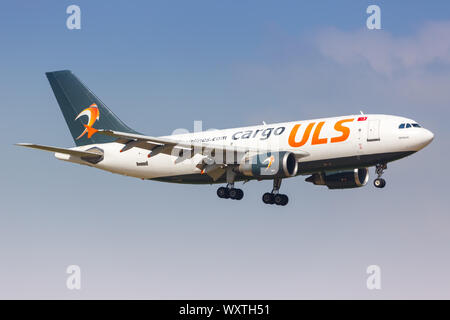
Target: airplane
335,152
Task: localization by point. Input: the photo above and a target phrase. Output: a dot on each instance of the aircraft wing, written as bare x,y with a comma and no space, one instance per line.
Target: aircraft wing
166,145
141,141
71,152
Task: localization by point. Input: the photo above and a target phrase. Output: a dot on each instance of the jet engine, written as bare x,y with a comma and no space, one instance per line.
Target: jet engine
281,164
341,179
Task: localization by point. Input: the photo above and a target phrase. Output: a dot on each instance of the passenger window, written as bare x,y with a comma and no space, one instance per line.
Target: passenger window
408,125
401,126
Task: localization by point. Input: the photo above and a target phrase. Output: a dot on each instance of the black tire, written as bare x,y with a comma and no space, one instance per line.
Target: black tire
285,200
233,193
240,194
379,183
278,199
223,193
268,198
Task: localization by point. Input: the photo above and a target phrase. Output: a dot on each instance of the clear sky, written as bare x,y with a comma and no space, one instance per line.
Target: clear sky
161,65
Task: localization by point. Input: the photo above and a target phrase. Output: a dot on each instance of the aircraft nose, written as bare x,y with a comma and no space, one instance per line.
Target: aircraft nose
429,136
426,137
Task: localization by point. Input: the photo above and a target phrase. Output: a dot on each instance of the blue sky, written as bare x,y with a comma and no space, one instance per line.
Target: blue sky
161,65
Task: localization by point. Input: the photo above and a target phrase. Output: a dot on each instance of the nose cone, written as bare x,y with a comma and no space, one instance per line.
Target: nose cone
426,136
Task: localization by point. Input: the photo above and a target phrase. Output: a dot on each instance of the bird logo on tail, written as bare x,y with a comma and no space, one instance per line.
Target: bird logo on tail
93,115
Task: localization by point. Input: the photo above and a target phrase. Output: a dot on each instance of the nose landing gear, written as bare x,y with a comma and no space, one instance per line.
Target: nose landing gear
275,197
379,169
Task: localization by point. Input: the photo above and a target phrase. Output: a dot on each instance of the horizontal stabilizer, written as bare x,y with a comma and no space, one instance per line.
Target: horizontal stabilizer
76,153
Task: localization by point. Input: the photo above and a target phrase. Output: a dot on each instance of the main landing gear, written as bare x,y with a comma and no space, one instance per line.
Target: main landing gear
275,197
379,169
230,192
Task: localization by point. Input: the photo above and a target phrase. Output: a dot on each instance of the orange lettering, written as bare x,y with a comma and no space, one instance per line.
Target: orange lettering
345,131
305,138
315,138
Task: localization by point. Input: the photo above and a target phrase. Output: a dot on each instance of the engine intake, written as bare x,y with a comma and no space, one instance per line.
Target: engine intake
342,179
273,164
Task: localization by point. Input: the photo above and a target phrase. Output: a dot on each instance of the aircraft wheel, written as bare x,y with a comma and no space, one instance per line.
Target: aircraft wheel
223,193
268,198
278,199
284,200
379,183
236,194
240,194
281,199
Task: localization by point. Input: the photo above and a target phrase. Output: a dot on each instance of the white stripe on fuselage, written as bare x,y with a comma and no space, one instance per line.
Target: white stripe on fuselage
325,145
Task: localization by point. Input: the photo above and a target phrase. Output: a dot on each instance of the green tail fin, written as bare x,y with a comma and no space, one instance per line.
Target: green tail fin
83,111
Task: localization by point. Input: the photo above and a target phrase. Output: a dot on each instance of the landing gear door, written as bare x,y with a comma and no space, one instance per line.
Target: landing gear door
373,130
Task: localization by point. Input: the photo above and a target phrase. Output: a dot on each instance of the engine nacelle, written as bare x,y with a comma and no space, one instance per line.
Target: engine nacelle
272,164
341,179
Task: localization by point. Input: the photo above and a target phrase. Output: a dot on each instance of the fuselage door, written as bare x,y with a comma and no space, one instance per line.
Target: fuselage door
373,131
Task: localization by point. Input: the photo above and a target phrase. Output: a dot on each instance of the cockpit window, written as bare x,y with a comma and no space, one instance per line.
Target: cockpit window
409,125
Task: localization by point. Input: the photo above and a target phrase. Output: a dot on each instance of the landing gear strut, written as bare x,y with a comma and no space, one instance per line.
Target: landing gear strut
379,169
275,197
230,192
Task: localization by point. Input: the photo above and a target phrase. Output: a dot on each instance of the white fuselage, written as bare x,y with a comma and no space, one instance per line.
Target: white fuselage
331,144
